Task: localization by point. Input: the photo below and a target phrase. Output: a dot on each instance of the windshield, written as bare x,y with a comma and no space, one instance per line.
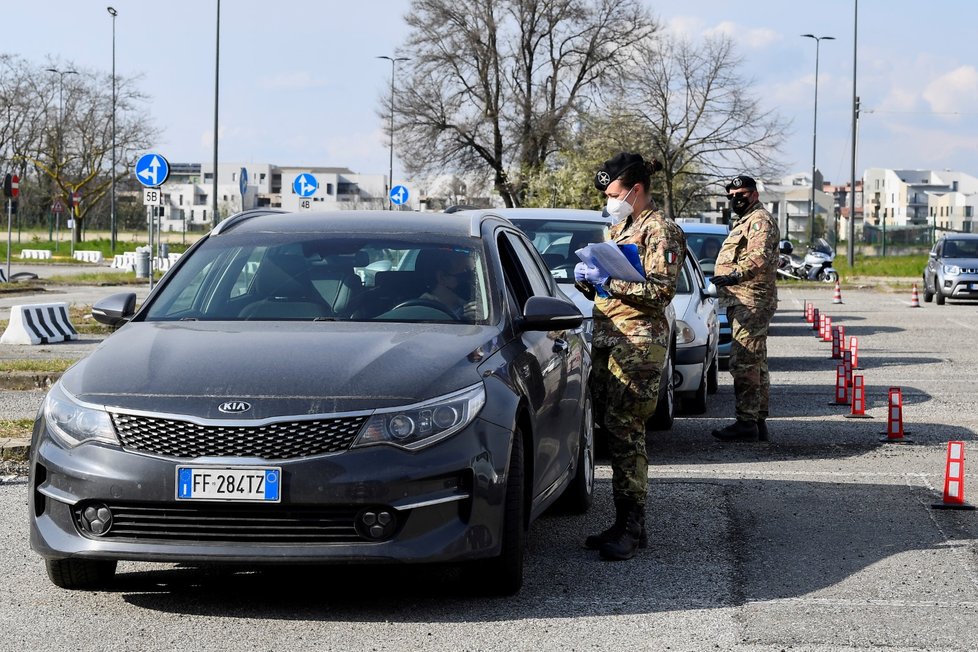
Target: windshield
822,246
705,247
961,249
557,240
327,277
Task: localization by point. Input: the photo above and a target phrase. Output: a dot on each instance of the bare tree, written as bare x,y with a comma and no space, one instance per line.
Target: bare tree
694,106
496,84
60,129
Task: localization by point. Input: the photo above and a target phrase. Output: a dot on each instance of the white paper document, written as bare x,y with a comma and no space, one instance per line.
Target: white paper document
607,257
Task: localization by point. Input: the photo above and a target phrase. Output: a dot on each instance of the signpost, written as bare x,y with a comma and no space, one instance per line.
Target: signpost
243,185
305,185
11,190
151,171
399,195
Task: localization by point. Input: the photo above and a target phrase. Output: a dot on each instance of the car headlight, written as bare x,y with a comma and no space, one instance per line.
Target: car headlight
420,425
684,332
74,423
952,270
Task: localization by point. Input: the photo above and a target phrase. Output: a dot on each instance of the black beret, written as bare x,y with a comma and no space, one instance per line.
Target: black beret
741,182
614,167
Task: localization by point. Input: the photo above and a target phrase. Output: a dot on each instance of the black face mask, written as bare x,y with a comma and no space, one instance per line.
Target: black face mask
740,204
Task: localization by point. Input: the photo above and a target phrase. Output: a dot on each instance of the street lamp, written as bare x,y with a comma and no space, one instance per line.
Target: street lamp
112,227
57,157
811,213
390,169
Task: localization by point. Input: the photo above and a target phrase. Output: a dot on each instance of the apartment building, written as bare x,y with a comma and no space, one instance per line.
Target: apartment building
944,199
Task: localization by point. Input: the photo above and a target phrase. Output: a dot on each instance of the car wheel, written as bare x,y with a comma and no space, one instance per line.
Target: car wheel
580,492
503,575
696,404
928,295
938,295
713,376
665,411
80,573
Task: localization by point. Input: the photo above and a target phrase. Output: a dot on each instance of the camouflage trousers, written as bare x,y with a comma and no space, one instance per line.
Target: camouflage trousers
625,389
748,360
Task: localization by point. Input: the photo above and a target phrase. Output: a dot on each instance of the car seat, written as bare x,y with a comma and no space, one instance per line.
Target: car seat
284,291
338,284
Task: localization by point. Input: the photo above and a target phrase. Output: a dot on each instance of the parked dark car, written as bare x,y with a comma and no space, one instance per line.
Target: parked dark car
265,405
952,269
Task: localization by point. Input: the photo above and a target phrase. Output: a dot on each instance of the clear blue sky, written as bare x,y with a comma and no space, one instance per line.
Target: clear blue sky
300,81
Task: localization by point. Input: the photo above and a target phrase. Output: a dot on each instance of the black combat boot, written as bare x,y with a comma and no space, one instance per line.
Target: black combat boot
738,431
762,430
622,506
629,540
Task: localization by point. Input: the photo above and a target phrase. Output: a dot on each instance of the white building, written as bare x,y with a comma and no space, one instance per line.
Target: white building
940,198
188,202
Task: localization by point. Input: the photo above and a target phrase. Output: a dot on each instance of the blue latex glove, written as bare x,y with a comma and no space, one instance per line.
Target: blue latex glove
579,271
593,276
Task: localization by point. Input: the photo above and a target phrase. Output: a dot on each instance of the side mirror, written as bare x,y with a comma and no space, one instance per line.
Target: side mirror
115,310
710,290
550,314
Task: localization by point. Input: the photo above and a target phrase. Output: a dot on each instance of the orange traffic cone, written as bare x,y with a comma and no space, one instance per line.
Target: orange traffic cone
954,479
837,295
914,299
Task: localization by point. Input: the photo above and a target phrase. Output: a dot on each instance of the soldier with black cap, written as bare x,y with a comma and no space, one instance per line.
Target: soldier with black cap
746,271
630,341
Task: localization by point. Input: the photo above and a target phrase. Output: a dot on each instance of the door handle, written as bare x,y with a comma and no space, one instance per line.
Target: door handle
561,346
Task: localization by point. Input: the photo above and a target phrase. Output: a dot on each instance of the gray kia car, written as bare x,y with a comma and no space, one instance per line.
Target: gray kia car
267,405
952,269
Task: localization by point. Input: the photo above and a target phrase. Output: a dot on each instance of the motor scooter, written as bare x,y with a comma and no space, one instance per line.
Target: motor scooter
815,266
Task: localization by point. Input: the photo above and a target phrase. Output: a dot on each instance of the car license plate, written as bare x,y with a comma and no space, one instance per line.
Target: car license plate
974,286
247,484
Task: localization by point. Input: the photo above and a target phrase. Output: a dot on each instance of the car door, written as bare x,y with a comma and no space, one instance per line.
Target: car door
552,382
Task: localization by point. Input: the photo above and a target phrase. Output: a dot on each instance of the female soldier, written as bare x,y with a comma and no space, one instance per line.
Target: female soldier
630,341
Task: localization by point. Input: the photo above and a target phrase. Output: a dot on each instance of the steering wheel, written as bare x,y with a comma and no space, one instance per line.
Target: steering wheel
427,303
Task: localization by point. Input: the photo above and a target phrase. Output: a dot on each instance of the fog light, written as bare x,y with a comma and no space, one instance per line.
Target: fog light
677,379
376,524
96,519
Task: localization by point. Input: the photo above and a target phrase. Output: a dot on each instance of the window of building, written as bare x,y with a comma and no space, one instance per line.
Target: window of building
208,176
234,176
181,200
329,189
261,177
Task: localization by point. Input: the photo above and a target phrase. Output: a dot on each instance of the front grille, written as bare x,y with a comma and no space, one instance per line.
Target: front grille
216,523
273,441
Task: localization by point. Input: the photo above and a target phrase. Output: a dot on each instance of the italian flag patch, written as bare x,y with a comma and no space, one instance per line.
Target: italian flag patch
670,257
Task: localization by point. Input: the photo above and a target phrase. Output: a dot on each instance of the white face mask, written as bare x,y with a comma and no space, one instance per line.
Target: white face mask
619,209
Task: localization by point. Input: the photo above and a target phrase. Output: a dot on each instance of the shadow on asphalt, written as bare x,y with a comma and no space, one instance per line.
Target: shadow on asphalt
703,554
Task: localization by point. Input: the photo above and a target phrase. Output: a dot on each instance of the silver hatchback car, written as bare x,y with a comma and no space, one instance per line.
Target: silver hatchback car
952,269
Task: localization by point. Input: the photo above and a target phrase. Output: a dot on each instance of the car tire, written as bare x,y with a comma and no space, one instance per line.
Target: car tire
928,295
503,575
938,295
665,410
579,494
713,376
80,573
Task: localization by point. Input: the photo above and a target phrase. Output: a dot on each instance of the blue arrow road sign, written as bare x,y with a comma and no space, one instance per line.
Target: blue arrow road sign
399,195
305,185
152,170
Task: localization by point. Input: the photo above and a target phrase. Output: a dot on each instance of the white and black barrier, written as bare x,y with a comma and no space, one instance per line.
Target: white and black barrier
39,323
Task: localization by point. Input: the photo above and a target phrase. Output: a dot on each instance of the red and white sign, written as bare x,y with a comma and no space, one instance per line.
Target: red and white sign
14,186
57,207
76,199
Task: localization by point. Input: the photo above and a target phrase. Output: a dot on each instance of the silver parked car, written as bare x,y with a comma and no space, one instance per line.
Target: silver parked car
704,241
952,269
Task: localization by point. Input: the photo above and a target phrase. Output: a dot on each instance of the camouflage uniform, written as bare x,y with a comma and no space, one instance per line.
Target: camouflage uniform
751,249
629,345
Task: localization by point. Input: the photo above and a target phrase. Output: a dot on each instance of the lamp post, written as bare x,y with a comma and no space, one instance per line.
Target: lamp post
811,213
217,75
851,236
390,169
57,157
112,223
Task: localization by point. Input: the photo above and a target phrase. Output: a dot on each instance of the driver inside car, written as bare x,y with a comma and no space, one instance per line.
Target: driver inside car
448,276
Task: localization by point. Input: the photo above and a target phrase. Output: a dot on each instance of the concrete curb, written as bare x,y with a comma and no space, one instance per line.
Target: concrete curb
12,449
26,380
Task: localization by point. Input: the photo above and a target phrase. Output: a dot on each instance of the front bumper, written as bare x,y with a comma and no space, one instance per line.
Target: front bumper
446,502
689,367
963,286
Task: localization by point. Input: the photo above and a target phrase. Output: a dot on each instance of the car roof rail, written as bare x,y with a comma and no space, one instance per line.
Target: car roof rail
238,218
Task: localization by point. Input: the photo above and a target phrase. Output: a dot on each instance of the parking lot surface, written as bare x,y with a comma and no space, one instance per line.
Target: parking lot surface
822,539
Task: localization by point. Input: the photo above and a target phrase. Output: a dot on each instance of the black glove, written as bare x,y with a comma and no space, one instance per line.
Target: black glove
726,279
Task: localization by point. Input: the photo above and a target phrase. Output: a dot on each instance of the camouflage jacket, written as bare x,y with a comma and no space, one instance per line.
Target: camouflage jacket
751,248
639,309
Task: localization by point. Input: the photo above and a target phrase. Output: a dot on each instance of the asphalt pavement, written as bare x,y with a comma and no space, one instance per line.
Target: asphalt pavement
823,539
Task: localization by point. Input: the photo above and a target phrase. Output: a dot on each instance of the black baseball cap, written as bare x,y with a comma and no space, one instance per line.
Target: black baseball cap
614,167
741,182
